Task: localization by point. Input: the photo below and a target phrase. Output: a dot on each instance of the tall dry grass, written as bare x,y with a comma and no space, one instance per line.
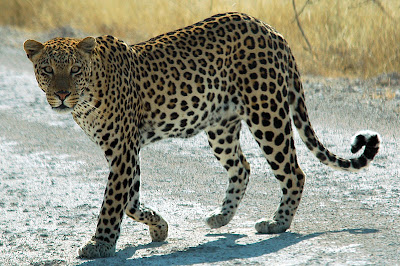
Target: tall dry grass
351,38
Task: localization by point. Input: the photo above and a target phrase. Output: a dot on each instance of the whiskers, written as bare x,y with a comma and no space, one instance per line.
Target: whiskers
87,108
53,101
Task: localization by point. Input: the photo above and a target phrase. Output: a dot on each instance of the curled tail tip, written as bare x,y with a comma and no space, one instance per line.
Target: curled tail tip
370,139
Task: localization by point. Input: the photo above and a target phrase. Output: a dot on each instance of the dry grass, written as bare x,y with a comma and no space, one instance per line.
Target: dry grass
351,38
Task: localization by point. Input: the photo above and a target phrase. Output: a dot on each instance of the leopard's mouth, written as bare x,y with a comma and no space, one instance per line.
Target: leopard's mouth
62,109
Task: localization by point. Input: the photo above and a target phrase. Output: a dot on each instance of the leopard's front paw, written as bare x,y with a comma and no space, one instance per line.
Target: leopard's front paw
271,227
96,249
218,219
159,232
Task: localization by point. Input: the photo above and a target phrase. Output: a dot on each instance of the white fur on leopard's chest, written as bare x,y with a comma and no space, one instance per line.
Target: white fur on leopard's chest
89,121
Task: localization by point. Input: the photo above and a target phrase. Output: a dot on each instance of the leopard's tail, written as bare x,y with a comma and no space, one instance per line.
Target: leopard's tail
368,139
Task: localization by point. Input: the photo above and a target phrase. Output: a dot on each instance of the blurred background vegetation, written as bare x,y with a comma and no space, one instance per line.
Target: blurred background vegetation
354,38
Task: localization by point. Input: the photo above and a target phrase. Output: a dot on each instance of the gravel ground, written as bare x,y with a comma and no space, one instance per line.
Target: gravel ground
52,180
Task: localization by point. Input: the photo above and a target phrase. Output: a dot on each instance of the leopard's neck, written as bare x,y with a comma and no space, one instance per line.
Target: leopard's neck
102,108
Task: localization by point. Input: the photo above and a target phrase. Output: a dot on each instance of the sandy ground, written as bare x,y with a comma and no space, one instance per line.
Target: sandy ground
52,180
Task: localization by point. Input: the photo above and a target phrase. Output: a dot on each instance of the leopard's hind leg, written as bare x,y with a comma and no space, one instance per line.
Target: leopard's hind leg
277,144
224,140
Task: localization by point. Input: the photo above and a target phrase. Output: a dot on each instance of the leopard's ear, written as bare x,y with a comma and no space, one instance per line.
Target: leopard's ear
87,45
32,47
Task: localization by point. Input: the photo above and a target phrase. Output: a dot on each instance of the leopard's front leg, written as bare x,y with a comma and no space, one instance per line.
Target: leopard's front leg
158,227
104,241
116,195
122,194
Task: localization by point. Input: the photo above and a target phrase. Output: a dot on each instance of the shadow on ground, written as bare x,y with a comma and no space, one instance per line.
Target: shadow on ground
223,249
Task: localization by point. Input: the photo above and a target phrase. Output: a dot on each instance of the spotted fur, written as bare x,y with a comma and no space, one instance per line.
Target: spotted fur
208,76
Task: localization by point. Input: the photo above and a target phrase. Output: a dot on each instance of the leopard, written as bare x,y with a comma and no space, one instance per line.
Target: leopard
214,76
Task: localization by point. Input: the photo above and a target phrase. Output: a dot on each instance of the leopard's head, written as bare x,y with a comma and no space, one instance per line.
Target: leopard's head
63,69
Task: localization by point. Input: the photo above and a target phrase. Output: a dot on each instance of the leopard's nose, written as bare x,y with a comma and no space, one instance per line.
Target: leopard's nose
62,94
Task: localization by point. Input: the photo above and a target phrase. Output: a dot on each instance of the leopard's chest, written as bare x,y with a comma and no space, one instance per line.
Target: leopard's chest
90,123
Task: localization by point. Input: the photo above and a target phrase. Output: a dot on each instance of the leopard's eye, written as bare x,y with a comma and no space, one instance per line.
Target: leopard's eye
48,70
75,69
